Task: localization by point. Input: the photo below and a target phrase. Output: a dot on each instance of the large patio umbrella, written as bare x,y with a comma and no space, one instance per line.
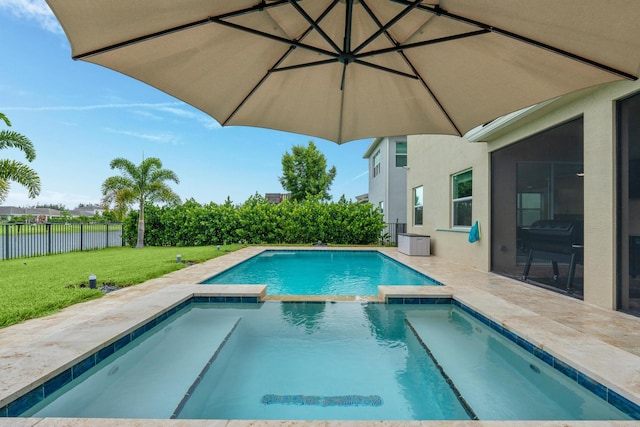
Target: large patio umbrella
350,69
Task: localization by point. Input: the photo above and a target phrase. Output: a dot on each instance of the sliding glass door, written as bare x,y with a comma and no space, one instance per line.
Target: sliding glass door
628,247
539,179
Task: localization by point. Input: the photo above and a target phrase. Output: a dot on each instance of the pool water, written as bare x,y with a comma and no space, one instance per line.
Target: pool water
324,361
321,273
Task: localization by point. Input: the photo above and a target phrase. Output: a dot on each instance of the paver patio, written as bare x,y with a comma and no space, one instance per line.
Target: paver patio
601,343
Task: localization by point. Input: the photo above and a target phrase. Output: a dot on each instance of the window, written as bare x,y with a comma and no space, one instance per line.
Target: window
376,164
461,195
401,154
381,207
417,206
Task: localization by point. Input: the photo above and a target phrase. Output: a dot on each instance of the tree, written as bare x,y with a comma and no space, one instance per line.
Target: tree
56,206
12,170
139,184
117,198
304,173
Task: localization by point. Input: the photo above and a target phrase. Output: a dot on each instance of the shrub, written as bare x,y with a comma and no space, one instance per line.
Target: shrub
258,222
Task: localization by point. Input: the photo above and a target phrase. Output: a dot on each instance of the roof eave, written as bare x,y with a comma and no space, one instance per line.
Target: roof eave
483,133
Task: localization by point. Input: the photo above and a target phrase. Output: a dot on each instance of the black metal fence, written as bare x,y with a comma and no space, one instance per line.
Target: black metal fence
391,231
26,240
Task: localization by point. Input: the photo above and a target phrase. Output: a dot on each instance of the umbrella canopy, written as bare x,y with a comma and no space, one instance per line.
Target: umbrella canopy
351,69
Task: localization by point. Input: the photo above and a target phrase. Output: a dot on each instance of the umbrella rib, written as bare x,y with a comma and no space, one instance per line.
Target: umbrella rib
314,24
437,10
255,88
433,95
348,22
283,40
384,28
346,58
260,7
341,117
401,47
263,5
305,65
415,71
279,61
141,39
386,69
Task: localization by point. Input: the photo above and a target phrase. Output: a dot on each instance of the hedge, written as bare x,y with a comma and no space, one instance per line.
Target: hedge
258,222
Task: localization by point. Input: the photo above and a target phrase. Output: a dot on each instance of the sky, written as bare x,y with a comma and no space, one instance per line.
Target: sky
80,116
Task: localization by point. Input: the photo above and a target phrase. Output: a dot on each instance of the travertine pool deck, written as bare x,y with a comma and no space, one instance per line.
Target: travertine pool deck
601,343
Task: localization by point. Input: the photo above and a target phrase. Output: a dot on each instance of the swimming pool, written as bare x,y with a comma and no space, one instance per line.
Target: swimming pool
324,361
321,272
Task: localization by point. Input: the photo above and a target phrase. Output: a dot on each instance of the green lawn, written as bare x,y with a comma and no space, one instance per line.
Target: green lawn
35,287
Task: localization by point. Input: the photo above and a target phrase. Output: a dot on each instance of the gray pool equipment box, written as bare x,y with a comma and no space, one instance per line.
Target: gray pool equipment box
414,244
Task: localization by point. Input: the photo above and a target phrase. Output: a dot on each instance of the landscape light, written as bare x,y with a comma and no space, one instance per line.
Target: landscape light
92,281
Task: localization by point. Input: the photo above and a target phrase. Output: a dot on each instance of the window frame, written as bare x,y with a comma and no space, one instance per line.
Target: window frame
456,201
376,164
401,155
417,206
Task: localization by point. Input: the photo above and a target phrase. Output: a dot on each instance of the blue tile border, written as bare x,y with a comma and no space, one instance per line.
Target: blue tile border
227,299
32,397
419,300
25,402
623,404
593,386
57,382
620,402
36,395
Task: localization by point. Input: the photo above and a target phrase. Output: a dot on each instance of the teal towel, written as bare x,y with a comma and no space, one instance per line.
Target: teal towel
474,233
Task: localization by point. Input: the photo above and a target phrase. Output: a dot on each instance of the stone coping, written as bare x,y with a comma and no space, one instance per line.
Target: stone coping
601,343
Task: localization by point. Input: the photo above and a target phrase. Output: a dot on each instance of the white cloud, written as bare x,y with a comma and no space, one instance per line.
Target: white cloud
148,109
158,106
205,120
35,10
147,114
360,175
162,138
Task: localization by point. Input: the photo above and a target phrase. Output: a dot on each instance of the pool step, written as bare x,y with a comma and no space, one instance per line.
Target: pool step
202,373
160,366
463,402
499,379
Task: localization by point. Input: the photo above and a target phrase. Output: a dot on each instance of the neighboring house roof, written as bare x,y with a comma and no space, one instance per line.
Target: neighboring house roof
363,198
11,210
374,144
372,147
90,210
276,198
14,211
46,211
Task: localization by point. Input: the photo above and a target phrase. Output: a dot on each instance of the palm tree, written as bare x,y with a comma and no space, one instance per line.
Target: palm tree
142,184
120,207
12,170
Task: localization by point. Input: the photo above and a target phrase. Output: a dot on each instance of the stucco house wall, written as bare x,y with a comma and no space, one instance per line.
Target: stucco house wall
433,159
390,185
